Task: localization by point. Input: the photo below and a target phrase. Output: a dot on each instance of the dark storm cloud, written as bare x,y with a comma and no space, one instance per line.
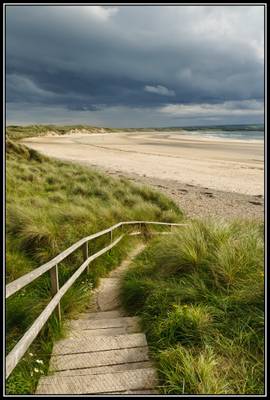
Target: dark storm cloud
90,58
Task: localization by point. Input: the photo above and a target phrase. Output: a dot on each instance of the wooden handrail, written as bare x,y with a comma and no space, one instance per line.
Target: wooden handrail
21,347
24,343
24,280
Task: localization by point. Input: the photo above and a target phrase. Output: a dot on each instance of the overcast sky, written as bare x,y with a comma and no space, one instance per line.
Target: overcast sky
132,66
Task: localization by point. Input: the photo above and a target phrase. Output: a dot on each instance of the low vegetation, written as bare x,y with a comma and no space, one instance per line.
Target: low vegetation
49,206
200,294
16,132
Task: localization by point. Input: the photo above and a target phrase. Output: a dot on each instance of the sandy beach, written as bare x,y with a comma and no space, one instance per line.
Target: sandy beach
206,176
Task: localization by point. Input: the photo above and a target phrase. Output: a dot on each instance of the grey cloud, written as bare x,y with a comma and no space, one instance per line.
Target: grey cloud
89,59
159,89
227,108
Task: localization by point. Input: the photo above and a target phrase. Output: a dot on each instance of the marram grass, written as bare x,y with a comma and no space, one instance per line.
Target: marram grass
200,294
49,206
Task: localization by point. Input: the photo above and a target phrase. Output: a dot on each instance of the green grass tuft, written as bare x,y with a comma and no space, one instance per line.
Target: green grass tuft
200,294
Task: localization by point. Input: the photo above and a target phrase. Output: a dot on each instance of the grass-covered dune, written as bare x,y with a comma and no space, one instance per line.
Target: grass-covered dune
200,294
49,206
17,132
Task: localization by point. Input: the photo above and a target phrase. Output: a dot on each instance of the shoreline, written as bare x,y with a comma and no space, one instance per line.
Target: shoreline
206,136
183,135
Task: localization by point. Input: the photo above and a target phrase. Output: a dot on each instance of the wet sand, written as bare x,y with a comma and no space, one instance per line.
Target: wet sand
205,176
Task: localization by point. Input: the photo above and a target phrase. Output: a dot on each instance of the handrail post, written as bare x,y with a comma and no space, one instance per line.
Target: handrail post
111,236
55,288
143,230
85,254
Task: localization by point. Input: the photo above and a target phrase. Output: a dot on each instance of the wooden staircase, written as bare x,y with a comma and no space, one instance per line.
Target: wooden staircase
107,298
105,351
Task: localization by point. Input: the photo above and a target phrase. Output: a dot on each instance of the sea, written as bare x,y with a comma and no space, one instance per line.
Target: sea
240,132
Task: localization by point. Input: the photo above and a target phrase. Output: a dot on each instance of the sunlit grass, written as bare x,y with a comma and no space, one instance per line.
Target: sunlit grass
49,206
200,294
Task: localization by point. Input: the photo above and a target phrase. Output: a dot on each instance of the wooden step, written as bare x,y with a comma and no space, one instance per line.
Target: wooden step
105,352
76,333
121,322
101,315
106,369
143,391
98,358
139,380
99,343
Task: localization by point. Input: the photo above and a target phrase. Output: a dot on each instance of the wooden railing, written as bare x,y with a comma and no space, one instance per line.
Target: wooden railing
21,347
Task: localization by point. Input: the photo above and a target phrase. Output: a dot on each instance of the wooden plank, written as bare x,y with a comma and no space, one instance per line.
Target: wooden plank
101,314
85,324
99,343
20,348
105,332
99,358
105,369
97,384
142,391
